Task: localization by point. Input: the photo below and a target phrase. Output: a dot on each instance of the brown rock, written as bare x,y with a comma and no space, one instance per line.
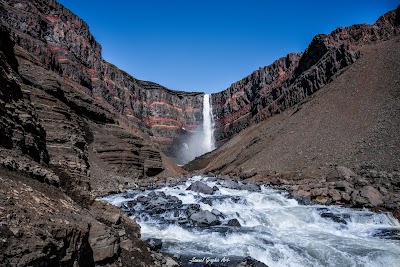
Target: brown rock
374,197
335,195
104,243
321,200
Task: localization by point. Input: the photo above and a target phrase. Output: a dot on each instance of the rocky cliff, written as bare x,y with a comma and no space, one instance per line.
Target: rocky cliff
289,80
61,148
62,43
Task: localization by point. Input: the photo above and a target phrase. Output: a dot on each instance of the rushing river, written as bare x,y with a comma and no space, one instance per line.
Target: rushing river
274,229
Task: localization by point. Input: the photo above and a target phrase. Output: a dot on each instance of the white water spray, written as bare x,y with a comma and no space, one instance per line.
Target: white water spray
208,125
202,141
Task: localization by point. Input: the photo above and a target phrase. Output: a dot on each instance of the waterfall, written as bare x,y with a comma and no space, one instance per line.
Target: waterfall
201,141
208,125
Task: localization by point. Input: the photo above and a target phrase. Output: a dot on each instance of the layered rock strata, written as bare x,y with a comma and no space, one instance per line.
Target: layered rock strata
61,42
289,80
54,152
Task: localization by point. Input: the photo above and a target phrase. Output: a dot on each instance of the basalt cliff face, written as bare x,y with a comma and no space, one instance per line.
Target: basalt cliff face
289,80
64,143
60,42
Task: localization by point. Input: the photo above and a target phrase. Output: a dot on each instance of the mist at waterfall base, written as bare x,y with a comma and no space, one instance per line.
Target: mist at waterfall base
202,141
274,228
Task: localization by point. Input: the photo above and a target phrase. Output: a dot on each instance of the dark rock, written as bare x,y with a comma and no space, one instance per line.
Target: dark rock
200,187
391,234
343,186
142,199
234,222
251,187
154,243
204,218
230,184
339,218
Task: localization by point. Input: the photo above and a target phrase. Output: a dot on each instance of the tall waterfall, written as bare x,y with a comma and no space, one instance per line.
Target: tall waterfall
202,141
208,125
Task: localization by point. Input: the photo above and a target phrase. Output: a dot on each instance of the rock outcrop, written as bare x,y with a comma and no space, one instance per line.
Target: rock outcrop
289,80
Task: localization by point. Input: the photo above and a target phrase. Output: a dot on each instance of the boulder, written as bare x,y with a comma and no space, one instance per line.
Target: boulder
234,222
343,186
204,218
251,187
374,197
104,243
345,173
335,217
231,184
200,187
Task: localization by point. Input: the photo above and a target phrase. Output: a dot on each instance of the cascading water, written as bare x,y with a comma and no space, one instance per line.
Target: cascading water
202,141
262,223
208,125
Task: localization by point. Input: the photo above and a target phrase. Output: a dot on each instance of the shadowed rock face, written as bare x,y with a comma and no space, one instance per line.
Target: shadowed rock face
273,89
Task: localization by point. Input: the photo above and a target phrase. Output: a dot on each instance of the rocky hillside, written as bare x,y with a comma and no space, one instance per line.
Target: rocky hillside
273,89
61,42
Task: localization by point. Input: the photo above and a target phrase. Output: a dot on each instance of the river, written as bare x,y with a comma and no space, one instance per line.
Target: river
274,228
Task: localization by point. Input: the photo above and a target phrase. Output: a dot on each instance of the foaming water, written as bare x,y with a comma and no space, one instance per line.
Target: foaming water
275,230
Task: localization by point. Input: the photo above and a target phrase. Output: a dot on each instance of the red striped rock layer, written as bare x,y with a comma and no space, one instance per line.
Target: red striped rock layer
291,79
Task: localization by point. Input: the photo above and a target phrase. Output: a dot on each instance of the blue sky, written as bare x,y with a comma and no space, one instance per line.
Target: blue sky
205,46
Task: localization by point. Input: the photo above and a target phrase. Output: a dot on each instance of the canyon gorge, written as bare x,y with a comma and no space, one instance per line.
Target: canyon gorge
321,124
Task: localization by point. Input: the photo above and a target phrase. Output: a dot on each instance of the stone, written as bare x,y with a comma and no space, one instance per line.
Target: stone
154,243
343,186
334,217
374,197
335,195
104,243
321,200
251,187
204,218
346,197
200,187
302,194
216,212
234,223
345,173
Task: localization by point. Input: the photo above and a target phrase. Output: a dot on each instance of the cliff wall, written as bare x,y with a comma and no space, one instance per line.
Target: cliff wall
289,80
61,42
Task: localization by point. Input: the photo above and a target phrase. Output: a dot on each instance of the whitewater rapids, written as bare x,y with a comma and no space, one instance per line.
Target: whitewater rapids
275,229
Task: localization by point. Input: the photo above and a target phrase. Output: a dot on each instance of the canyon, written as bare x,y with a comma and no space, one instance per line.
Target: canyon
75,127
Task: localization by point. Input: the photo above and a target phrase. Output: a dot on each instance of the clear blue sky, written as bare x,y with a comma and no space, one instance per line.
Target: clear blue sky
204,45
